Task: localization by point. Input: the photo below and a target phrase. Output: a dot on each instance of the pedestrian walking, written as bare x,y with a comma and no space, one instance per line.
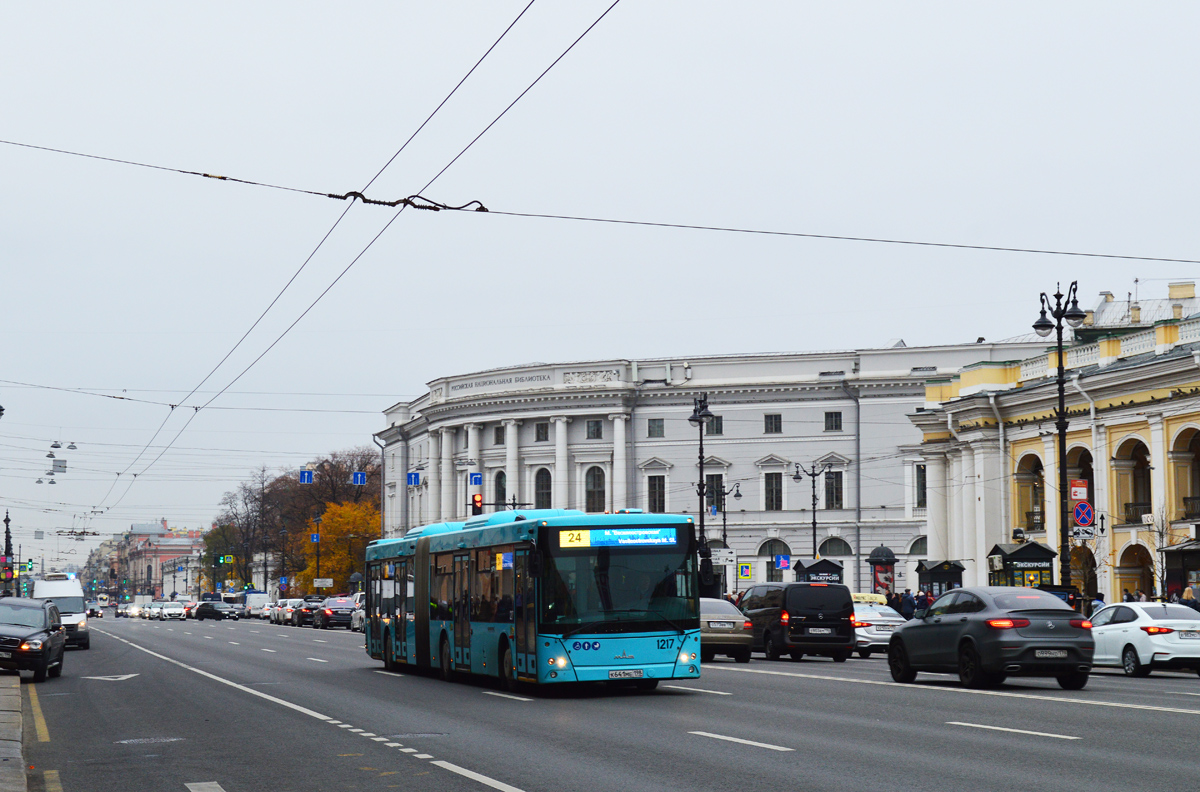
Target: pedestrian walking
1189,599
1141,596
907,604
1126,596
1098,601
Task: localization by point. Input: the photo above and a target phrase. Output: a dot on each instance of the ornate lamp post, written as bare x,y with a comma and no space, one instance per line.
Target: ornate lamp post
812,472
699,418
1074,317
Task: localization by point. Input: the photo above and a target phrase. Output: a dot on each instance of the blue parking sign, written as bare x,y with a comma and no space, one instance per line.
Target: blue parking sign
783,562
316,537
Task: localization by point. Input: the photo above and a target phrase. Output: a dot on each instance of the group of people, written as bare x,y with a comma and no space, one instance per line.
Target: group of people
908,604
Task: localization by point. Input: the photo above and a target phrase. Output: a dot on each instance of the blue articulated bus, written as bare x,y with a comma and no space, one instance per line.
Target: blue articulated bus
539,596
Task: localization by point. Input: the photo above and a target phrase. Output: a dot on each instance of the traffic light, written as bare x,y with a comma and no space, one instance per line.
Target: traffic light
476,504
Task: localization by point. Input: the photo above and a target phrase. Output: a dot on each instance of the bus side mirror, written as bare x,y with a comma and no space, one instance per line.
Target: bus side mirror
706,571
535,564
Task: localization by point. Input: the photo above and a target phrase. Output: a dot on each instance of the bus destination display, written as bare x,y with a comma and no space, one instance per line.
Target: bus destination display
617,537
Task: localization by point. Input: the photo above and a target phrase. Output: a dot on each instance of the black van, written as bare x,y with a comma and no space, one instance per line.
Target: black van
800,619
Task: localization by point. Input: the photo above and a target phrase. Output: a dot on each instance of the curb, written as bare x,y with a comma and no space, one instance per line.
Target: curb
12,723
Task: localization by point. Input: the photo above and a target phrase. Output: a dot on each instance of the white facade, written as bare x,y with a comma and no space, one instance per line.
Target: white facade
614,434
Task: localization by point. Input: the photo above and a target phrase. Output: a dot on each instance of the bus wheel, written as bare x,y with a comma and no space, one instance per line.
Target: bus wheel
445,662
389,662
507,680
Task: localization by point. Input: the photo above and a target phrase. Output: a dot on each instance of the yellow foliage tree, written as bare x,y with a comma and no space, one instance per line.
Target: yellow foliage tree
345,530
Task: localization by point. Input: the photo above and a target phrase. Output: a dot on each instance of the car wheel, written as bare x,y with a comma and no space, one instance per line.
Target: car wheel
56,672
769,647
445,662
707,655
841,657
1076,681
39,673
864,653
1132,663
898,664
797,656
743,656
970,669
508,680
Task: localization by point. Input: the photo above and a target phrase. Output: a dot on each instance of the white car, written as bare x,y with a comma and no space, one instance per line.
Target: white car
873,626
1141,636
172,610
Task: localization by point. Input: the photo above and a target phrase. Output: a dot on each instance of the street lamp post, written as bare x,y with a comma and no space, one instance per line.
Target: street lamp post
317,520
812,473
1066,306
736,491
700,417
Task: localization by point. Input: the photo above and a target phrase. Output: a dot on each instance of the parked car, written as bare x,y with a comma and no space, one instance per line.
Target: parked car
1142,636
358,619
989,633
172,610
333,612
873,627
724,630
32,637
217,610
302,612
800,619
265,611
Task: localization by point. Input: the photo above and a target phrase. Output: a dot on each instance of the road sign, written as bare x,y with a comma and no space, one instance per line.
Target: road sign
745,571
1083,514
306,477
218,587
783,562
283,586
322,582
283,580
712,509
476,480
358,479
414,479
315,537
1079,489
723,555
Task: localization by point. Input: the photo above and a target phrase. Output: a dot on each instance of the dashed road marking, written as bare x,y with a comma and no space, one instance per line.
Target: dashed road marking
392,745
345,726
422,756
205,786
51,781
1014,731
377,739
408,750
768,746
272,651
389,673
208,637
698,690
317,660
235,643
39,721
506,695
318,640
471,774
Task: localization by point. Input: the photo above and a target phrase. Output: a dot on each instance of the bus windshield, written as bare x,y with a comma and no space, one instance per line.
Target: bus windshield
619,589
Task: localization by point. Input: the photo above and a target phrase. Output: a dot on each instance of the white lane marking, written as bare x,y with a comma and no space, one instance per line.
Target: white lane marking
506,695
157,627
357,731
409,750
120,678
367,734
318,640
768,746
235,643
208,637
471,774
316,660
346,726
170,629
205,786
333,723
422,756
1014,731
222,680
256,632
389,673
377,739
1001,693
392,745
698,690
272,651
1185,693
185,632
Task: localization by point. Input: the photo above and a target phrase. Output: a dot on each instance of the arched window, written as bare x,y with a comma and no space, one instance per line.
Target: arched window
770,549
594,489
501,489
541,489
834,547
920,546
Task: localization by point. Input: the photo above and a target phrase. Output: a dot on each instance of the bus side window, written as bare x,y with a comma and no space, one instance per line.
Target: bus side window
503,585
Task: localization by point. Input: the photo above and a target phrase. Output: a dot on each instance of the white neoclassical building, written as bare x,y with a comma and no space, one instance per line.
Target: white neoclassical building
612,434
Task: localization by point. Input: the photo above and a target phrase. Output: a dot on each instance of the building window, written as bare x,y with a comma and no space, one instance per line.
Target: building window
498,435
772,423
595,430
714,489
654,427
835,547
501,493
541,489
833,422
919,479
656,487
594,489
833,489
542,432
773,485
715,427
920,546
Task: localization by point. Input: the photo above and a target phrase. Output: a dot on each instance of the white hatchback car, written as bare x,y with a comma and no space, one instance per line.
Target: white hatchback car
172,610
1141,636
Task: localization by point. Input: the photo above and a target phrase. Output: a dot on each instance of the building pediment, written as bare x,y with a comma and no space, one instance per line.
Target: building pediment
654,463
833,460
772,460
716,462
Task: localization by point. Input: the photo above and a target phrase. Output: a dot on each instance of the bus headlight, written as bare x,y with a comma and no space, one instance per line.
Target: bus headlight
561,662
683,658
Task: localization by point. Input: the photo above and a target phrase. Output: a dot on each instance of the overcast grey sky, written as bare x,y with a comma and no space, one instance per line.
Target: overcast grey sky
1066,126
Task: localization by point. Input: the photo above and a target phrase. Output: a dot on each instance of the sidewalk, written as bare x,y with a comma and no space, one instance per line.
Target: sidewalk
12,764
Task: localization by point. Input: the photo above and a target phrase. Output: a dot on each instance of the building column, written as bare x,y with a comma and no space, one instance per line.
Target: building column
448,477
561,473
474,464
968,543
1050,491
1159,505
1100,479
512,469
620,483
936,497
954,510
433,477
991,479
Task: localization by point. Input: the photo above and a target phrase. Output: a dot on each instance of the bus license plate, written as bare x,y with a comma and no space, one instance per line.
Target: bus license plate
1050,654
627,673
820,631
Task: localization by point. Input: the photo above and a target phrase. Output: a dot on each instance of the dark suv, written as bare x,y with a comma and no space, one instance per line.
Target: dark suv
217,610
800,619
32,637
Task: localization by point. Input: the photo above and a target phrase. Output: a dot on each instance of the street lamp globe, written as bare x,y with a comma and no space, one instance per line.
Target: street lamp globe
737,491
1074,315
701,414
1043,326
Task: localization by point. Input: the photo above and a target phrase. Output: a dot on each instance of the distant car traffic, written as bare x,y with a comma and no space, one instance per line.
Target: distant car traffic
873,627
1142,636
724,630
989,633
217,610
94,609
172,610
302,612
333,612
123,611
358,619
32,637
283,613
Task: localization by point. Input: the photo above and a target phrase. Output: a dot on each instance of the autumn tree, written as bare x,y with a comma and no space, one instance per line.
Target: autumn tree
345,530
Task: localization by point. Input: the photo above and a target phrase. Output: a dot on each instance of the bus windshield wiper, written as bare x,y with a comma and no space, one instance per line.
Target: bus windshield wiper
581,627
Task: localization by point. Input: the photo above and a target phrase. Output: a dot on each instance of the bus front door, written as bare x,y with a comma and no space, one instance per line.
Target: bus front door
462,612
372,622
400,625
525,635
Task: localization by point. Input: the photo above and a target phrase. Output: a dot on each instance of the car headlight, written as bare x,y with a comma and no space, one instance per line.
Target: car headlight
82,624
33,644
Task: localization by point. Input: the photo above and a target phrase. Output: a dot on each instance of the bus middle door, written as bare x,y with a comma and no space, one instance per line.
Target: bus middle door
462,611
525,616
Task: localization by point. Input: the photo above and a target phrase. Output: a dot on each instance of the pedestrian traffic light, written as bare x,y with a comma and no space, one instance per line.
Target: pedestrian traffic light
476,504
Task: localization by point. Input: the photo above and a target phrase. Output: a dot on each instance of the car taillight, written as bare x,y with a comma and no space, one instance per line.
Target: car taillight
1082,624
328,612
856,623
747,625
784,618
1157,630
1007,624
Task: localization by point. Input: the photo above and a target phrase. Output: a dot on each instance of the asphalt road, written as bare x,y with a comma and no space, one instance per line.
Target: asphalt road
250,706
